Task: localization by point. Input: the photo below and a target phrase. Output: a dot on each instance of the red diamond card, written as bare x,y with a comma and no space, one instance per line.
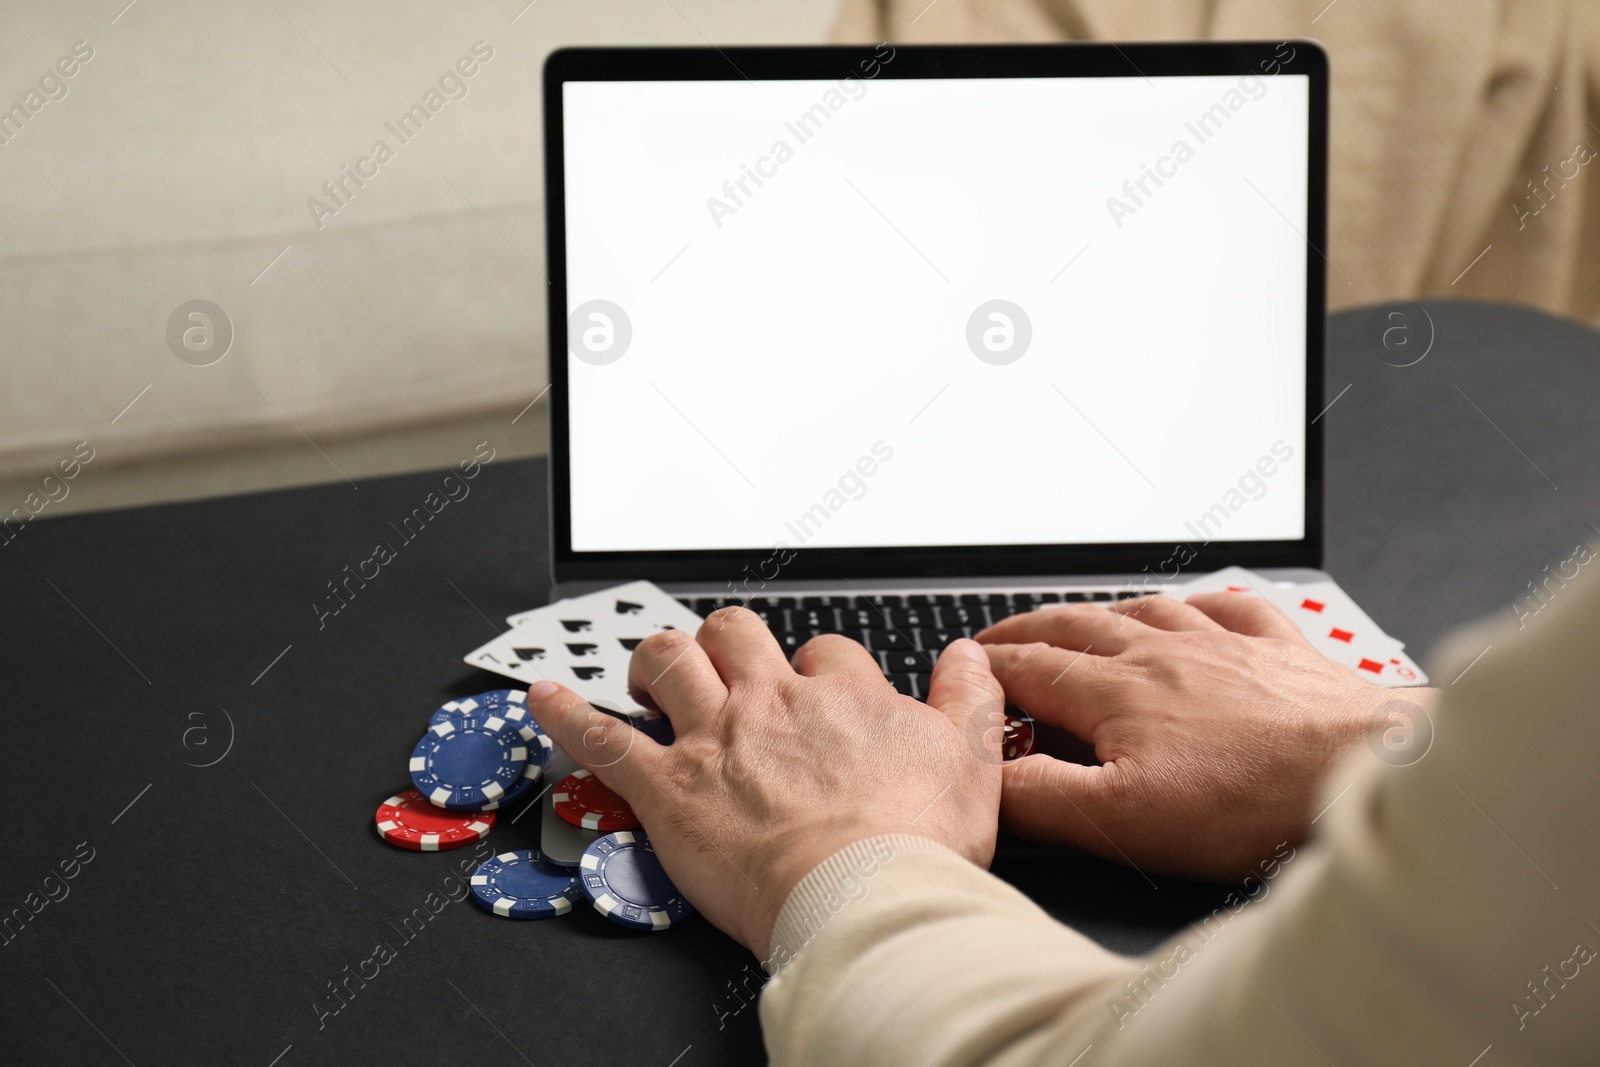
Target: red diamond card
1328,618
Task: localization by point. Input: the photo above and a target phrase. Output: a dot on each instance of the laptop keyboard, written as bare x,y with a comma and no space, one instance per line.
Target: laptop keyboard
904,632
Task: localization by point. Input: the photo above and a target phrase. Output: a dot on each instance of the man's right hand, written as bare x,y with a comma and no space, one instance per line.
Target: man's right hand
1214,722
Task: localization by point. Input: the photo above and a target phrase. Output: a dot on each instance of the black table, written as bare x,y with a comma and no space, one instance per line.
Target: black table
174,702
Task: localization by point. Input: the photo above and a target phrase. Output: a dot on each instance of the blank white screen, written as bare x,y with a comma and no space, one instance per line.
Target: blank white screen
774,344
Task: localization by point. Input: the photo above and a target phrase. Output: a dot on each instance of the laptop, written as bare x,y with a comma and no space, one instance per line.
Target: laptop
897,341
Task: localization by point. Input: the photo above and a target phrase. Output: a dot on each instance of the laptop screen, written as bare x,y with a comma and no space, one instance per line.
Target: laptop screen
868,312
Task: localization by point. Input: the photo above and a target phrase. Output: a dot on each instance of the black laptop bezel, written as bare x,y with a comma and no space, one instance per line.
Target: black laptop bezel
1240,58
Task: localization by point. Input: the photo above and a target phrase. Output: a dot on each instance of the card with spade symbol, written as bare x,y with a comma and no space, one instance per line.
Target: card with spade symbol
585,643
636,600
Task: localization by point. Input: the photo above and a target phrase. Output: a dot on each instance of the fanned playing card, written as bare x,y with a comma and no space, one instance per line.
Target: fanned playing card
522,660
511,620
1232,579
1320,605
1338,628
585,643
636,600
1330,620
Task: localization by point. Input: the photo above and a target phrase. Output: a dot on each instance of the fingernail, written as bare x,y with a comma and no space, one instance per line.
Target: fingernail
967,648
539,690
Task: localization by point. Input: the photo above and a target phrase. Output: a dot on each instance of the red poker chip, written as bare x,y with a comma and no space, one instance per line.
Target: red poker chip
584,800
408,820
1017,740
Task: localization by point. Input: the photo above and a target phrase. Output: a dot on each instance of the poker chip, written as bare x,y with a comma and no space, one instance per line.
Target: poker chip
463,764
408,820
625,882
657,728
1017,740
494,698
530,775
539,747
652,724
583,800
524,885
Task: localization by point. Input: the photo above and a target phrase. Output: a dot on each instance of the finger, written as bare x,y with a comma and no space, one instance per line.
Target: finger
831,653
621,756
672,670
963,685
1245,614
1165,613
741,647
1078,627
1053,685
1046,799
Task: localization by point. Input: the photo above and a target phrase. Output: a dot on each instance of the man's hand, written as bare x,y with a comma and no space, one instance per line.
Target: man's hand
775,768
1214,722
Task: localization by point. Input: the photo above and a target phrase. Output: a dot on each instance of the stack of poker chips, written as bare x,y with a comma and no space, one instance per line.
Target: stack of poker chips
485,752
480,753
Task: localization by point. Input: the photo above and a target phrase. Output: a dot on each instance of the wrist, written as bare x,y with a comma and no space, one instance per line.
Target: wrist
806,850
830,887
1375,711
1374,718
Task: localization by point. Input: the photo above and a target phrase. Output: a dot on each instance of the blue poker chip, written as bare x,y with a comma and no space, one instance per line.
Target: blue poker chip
539,747
540,751
652,724
530,776
524,885
658,729
625,882
494,698
466,763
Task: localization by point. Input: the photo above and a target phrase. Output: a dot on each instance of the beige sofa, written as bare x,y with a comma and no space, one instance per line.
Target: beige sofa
387,306
389,329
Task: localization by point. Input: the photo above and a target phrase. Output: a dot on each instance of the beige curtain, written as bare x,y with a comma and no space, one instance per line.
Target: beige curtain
1463,132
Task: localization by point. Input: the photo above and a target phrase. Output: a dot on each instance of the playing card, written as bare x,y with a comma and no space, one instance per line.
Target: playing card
1320,607
511,620
568,651
1386,666
636,600
1236,579
521,660
584,643
1329,619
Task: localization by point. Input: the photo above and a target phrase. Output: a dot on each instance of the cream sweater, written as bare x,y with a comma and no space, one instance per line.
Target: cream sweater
1449,909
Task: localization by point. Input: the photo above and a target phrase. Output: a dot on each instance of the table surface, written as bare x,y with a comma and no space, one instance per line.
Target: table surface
178,714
